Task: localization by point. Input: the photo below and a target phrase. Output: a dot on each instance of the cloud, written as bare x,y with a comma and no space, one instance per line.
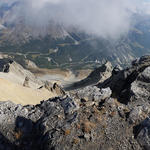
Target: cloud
105,18
146,6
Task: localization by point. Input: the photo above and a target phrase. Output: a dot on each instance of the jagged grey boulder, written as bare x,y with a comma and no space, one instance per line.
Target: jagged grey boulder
139,113
143,136
60,124
92,93
140,88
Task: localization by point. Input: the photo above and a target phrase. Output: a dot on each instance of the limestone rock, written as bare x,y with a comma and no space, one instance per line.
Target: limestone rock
98,75
139,113
140,88
5,65
48,86
92,93
30,64
60,123
14,72
89,118
58,89
130,80
26,82
116,70
143,136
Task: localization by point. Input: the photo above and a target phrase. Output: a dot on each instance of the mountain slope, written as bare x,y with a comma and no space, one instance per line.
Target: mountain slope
22,95
90,118
56,46
20,85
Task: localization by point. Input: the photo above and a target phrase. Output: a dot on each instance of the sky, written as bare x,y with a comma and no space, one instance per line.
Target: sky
104,18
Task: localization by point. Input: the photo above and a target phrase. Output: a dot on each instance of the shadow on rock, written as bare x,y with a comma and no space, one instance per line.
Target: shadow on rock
142,134
5,144
28,135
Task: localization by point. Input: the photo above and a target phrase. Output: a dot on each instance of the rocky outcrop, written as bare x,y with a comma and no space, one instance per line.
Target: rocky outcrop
98,75
131,83
70,123
30,64
94,117
140,88
55,88
26,82
14,72
58,90
92,95
5,65
64,123
143,136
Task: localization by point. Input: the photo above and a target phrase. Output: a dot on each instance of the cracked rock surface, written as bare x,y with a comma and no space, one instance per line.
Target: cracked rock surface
115,115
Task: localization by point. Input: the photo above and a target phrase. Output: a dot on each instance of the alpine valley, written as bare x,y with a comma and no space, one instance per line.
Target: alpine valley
56,46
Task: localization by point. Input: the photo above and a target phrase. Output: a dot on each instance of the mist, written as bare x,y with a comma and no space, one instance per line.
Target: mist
104,18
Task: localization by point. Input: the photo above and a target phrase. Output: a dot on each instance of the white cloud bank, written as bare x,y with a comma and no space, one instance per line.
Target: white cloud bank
105,18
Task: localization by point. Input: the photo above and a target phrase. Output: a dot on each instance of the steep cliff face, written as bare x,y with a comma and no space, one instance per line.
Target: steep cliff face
88,118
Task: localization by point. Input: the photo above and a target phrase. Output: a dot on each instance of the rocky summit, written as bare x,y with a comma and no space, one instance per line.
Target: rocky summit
112,115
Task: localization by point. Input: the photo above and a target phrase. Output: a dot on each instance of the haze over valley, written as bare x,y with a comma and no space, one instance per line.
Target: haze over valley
73,40
74,75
